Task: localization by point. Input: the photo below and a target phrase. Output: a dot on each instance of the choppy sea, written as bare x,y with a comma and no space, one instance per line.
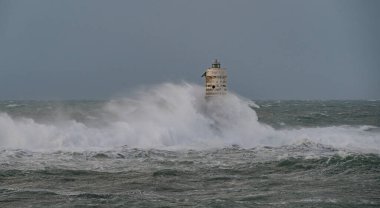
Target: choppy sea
169,147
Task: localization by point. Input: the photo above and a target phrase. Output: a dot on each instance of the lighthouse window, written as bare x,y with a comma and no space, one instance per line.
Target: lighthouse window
213,87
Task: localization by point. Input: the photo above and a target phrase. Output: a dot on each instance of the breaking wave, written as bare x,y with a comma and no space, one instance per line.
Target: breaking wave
174,116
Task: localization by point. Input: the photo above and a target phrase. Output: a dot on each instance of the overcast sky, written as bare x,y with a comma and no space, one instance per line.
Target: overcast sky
294,49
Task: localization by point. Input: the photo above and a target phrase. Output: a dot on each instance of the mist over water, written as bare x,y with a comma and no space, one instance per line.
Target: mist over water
172,116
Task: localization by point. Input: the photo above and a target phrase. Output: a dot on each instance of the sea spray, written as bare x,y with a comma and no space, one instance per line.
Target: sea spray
172,116
167,146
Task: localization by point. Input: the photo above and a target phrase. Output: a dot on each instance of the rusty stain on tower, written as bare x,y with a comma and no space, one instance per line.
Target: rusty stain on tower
215,80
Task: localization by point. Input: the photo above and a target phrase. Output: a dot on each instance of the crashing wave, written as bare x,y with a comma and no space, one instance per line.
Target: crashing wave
173,116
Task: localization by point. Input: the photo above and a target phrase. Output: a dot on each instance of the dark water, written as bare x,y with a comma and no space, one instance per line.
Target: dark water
319,113
313,172
229,177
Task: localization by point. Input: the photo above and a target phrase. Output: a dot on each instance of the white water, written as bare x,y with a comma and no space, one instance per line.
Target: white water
172,116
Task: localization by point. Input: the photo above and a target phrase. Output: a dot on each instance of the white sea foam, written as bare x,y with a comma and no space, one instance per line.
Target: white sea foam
13,105
170,116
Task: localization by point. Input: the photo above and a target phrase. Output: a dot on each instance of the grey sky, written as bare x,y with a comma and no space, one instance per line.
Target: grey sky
298,49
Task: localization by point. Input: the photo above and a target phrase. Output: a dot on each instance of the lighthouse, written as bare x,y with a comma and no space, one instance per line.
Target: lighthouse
215,80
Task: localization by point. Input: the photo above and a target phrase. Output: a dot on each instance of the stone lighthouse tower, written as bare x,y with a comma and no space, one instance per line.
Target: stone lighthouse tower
216,80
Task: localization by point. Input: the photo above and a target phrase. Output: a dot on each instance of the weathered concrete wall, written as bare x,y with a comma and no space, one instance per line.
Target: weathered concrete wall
216,82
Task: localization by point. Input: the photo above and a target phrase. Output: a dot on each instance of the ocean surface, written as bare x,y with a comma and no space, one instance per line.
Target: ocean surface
169,147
